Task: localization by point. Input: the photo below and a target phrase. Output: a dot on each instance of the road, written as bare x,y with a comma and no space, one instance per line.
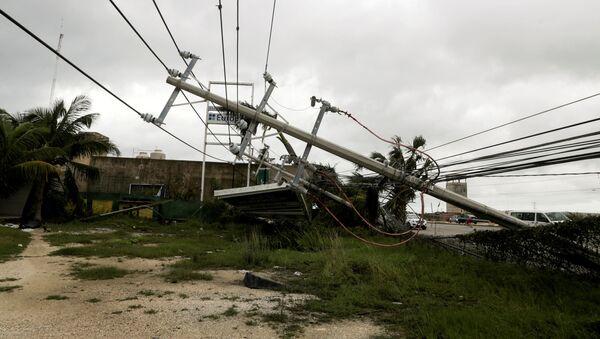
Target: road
440,229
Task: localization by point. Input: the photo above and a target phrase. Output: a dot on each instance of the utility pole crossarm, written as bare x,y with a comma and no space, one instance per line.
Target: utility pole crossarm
375,166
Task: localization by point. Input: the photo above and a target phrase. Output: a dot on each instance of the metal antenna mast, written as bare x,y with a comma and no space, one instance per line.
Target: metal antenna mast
60,37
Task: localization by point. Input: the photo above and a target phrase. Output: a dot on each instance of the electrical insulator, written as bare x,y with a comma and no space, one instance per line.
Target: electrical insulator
234,148
147,117
174,73
242,124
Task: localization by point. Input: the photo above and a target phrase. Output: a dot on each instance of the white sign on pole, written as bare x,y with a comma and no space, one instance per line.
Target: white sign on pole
220,116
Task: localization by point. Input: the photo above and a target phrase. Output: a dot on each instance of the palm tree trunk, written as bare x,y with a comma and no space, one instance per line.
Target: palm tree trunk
32,213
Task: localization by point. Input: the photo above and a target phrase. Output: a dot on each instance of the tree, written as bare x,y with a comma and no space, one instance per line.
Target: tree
22,154
395,196
65,126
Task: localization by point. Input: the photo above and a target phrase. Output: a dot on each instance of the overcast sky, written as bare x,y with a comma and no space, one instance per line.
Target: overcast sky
441,69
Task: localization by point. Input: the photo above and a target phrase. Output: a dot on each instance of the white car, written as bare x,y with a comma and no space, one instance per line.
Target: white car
415,221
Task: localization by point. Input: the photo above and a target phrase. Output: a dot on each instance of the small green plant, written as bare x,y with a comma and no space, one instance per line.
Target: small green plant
183,295
9,288
56,297
147,293
231,311
251,323
135,307
94,300
8,279
178,274
212,316
255,250
98,273
12,242
150,311
128,298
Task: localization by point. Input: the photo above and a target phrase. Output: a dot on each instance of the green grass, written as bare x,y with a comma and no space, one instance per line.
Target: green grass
178,274
231,311
98,272
414,290
9,242
57,297
9,288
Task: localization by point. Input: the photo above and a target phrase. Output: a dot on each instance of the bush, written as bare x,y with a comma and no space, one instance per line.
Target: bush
570,246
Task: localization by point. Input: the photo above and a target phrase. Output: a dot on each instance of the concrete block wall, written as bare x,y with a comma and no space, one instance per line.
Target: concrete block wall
182,179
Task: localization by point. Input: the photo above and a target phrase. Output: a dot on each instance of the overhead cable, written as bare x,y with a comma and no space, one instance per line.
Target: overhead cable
521,138
270,35
65,59
186,63
517,120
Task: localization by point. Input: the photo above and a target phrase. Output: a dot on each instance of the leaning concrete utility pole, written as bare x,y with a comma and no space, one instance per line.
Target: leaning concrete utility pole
375,166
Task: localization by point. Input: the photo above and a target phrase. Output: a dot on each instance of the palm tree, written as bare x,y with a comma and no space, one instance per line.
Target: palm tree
22,154
396,195
65,127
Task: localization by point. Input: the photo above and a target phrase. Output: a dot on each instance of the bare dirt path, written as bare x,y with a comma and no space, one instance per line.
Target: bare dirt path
142,304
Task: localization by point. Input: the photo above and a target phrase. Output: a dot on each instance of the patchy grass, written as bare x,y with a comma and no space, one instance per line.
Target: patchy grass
415,290
9,288
150,311
98,272
147,293
135,307
57,297
10,239
128,298
178,274
8,279
183,295
231,311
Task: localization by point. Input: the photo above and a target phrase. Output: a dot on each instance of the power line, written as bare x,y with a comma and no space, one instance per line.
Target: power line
541,174
139,35
65,59
524,150
220,7
270,35
522,138
517,120
175,42
186,63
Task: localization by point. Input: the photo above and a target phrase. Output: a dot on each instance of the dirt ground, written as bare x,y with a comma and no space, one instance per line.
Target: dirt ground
116,308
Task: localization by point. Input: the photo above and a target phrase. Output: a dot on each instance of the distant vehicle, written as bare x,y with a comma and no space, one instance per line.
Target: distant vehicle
415,221
467,219
453,219
536,218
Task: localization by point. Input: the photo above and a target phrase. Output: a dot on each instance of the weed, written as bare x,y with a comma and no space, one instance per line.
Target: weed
12,242
56,297
177,274
231,311
275,317
116,312
135,307
205,298
291,331
98,273
93,300
8,279
251,323
128,298
183,296
150,311
212,316
9,288
147,293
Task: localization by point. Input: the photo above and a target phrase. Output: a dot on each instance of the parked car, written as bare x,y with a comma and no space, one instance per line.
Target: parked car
536,218
415,221
467,219
453,219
